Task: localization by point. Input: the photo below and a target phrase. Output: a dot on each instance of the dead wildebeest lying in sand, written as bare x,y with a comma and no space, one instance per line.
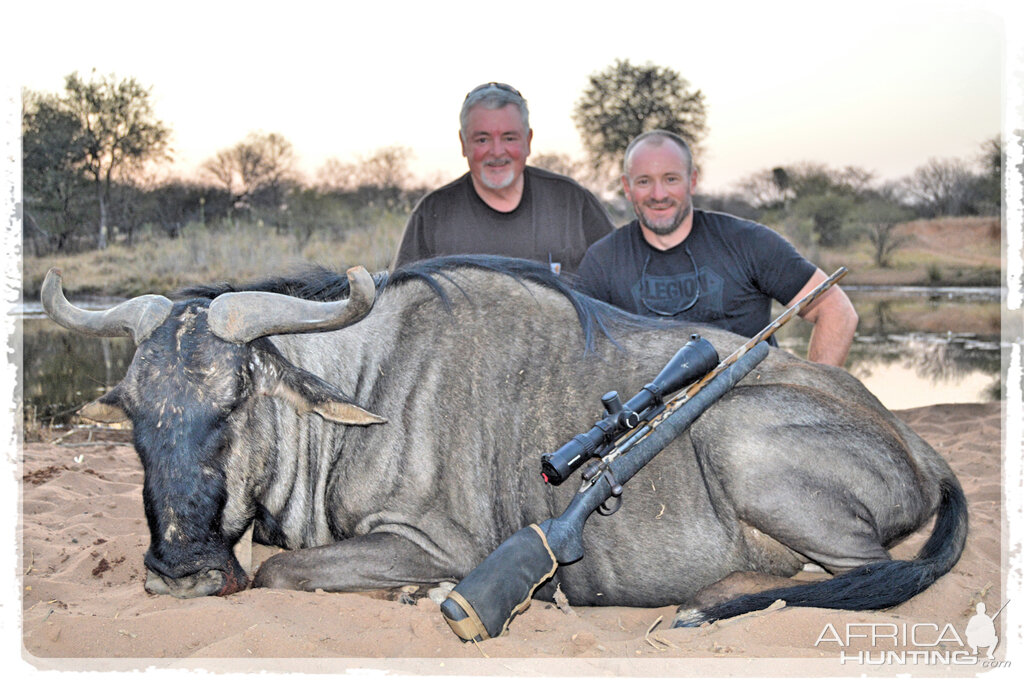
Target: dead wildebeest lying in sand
244,409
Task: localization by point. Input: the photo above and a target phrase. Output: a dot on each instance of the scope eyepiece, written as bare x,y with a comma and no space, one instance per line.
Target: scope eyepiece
558,466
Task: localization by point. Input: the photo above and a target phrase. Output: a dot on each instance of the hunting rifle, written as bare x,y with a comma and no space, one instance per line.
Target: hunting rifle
483,604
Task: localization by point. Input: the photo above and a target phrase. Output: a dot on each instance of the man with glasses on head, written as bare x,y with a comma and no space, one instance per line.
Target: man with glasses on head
502,206
702,266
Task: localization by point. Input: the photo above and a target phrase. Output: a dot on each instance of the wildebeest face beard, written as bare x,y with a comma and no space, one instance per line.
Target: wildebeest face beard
179,392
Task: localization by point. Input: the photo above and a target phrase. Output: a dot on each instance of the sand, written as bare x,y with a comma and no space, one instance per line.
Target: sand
84,607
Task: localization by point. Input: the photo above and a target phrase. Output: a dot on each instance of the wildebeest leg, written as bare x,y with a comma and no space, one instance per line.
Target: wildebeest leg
377,560
411,594
737,584
840,516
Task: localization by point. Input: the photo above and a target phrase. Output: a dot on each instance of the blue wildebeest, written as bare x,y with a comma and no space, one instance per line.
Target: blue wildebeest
388,432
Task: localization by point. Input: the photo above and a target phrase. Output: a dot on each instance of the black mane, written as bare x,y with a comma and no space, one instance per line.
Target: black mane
320,283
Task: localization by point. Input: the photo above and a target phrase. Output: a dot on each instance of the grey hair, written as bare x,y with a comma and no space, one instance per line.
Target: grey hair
491,96
657,137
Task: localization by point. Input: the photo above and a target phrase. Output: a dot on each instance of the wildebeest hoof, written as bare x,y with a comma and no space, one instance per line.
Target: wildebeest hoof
688,617
440,592
274,574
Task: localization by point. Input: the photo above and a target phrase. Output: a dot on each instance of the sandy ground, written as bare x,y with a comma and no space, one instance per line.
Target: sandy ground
84,607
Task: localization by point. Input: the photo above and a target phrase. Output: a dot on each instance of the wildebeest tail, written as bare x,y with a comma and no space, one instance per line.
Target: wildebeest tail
870,587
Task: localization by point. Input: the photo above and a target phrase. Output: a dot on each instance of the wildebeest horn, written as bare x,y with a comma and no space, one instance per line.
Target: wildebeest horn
244,316
137,317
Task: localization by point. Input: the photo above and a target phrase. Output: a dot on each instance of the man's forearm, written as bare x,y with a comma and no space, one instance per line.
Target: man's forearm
833,331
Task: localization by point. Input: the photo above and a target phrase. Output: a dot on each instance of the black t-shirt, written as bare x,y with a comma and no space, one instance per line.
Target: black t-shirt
742,266
554,223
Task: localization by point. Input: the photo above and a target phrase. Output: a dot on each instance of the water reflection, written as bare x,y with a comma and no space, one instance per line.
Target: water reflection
62,370
913,348
919,346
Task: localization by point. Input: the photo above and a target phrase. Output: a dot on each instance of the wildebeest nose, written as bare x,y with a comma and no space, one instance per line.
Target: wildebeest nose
210,582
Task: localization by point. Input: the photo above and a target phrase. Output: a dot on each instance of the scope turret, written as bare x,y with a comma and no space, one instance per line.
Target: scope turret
692,361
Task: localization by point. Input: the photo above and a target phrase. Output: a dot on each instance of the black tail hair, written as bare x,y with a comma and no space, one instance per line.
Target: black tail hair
870,587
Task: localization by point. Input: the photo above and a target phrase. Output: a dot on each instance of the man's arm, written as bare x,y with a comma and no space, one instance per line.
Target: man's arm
834,321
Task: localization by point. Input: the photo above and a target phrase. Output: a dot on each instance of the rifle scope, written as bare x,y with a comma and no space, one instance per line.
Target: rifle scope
691,362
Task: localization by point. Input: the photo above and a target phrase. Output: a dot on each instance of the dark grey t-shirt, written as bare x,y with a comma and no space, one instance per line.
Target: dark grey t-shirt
554,223
742,266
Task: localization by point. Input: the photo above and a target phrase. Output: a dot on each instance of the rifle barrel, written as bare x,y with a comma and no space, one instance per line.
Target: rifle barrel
761,335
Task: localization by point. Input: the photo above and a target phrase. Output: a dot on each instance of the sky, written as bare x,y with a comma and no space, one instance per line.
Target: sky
879,85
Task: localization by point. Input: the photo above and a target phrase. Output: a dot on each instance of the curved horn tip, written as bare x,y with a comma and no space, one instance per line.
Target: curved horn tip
54,275
51,292
361,284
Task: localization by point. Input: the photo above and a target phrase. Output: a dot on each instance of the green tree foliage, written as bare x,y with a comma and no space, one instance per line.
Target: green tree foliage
817,199
826,214
53,183
880,220
625,100
119,133
774,188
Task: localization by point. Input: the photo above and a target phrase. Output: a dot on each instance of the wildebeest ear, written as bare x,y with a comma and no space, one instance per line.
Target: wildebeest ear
105,409
308,392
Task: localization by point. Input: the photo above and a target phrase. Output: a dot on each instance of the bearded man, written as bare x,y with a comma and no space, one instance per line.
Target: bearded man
502,206
704,266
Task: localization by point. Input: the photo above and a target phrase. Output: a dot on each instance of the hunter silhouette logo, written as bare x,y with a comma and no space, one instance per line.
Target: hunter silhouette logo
981,631
889,643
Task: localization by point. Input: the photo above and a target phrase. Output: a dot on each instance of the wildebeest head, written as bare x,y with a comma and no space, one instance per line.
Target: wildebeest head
198,363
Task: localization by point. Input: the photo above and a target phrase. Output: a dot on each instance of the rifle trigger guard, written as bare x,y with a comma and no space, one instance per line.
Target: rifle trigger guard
614,502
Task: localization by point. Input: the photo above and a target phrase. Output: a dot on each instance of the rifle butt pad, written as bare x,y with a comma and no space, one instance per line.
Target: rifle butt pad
483,604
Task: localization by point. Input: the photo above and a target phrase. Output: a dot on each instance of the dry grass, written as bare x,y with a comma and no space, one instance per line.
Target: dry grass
952,251
156,264
945,251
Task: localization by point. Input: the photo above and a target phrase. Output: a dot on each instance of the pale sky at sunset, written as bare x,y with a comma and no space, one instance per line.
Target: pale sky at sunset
880,85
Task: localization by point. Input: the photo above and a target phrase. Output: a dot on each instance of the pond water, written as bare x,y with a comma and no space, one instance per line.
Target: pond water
914,347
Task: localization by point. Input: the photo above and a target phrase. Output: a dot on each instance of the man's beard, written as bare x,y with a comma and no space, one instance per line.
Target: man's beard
665,226
501,183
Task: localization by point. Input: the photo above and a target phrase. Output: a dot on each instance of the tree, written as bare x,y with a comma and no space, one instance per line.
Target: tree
336,175
943,187
258,171
781,186
119,133
826,212
624,100
564,164
990,184
880,219
52,156
386,168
